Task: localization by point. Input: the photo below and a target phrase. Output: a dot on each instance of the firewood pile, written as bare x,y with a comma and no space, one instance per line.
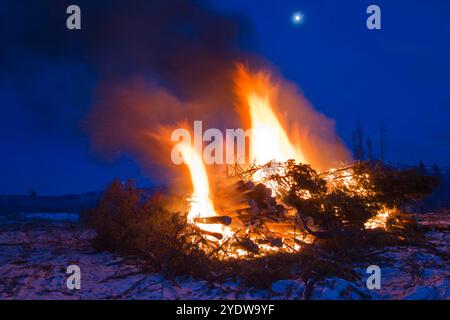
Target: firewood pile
286,206
262,223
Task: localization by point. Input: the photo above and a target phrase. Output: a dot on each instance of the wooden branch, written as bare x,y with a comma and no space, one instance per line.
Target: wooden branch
325,234
225,220
216,235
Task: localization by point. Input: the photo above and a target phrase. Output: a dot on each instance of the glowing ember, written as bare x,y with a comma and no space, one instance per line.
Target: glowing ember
346,177
379,221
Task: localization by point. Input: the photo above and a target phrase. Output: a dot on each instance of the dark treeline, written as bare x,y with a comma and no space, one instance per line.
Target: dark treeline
439,200
365,148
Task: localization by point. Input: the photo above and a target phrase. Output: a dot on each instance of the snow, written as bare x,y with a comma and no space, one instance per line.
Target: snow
35,255
288,287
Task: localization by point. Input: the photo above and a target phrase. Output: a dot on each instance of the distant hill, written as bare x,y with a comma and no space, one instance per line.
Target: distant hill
12,204
70,203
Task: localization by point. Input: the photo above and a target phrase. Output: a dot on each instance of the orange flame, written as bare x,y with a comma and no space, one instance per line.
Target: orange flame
258,107
285,126
269,141
201,204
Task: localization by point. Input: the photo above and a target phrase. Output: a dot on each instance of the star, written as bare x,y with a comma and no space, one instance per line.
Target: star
297,18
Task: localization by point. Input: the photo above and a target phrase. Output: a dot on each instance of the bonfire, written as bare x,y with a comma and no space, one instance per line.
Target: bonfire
294,199
280,201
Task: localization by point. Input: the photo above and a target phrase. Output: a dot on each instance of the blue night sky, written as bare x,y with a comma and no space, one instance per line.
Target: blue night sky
399,75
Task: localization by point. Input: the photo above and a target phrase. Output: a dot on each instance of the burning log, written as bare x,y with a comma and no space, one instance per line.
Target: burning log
216,235
276,242
273,242
247,245
282,227
244,186
225,220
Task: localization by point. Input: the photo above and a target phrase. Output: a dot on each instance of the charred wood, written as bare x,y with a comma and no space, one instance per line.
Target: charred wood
225,220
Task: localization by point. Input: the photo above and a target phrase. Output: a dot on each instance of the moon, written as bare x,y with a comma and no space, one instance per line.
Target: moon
297,18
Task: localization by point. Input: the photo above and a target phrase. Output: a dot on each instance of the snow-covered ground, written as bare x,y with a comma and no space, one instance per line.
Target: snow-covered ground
35,255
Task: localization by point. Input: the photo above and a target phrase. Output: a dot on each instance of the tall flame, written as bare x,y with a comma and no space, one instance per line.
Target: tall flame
269,141
201,204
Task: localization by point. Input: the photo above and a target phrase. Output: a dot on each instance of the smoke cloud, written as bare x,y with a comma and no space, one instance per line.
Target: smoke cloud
162,64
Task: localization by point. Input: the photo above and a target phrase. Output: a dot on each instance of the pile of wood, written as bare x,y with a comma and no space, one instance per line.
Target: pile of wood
260,223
